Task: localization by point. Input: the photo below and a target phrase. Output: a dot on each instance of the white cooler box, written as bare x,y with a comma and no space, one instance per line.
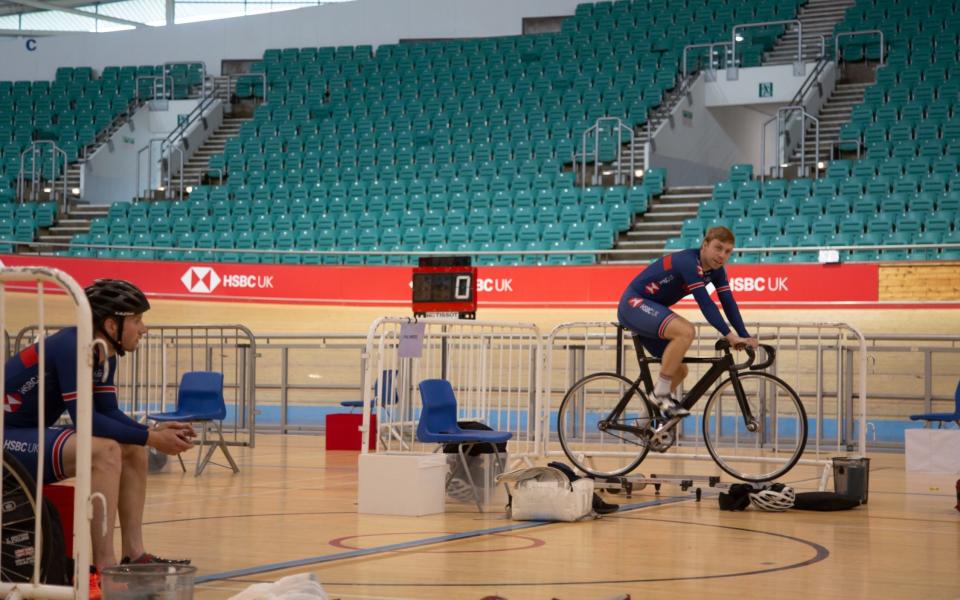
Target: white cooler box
402,483
933,450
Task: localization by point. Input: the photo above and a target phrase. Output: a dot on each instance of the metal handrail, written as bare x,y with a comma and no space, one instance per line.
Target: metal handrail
34,150
780,131
812,78
711,46
595,128
883,47
169,187
163,85
203,78
149,149
837,142
217,169
594,252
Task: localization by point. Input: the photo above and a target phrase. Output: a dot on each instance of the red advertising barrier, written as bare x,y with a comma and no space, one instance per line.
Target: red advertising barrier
776,286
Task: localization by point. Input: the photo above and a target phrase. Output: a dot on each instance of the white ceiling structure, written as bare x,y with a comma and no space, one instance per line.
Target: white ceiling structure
48,17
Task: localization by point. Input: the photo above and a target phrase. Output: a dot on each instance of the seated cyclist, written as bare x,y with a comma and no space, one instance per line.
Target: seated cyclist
644,309
118,451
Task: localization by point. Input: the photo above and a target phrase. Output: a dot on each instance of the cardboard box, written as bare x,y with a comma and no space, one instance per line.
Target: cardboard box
410,484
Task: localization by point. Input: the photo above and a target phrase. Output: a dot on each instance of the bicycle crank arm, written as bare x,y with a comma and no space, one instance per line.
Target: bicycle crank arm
637,431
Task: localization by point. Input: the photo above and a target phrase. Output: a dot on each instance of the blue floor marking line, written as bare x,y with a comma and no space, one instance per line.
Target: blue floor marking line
407,545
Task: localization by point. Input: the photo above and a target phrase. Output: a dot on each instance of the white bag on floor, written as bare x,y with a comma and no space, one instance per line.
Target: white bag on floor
295,587
546,494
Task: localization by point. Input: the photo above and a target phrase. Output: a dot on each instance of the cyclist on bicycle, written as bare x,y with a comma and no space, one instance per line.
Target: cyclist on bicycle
118,451
644,309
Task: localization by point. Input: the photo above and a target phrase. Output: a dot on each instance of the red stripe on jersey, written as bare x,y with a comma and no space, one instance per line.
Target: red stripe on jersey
725,288
69,396
105,389
29,356
668,262
694,286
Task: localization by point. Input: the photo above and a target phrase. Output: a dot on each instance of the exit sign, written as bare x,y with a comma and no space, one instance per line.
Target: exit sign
766,89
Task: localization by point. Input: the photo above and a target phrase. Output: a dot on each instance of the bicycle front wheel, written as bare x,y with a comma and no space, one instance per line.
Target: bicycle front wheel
590,402
779,433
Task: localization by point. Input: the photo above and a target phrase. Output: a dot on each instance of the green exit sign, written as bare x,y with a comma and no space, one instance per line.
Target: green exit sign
766,89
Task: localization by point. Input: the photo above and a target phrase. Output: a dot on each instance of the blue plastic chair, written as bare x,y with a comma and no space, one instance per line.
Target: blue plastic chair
942,418
200,400
383,390
438,424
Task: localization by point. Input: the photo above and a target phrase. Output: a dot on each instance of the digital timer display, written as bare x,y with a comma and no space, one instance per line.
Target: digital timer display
442,287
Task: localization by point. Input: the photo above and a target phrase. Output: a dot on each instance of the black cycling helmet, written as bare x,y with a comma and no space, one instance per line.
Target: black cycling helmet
115,299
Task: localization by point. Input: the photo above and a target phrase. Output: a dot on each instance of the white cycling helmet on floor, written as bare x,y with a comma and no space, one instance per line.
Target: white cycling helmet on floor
776,497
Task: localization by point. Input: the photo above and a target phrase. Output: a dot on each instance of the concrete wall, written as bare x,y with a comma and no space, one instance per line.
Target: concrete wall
372,22
719,123
110,174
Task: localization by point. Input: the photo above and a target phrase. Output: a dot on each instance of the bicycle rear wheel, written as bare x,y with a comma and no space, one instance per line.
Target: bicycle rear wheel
19,508
781,428
586,404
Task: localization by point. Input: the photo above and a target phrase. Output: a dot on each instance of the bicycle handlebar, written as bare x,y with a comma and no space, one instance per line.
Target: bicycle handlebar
770,352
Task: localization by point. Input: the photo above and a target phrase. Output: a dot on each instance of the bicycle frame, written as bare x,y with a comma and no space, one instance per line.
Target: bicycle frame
718,367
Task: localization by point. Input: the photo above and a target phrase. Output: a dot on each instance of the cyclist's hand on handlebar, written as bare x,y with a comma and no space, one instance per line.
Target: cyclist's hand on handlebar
740,342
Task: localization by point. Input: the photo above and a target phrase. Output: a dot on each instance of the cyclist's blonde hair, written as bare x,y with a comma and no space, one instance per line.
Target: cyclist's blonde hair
720,233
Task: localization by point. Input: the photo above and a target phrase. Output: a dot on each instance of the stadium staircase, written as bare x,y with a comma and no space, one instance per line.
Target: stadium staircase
662,221
196,168
819,17
835,112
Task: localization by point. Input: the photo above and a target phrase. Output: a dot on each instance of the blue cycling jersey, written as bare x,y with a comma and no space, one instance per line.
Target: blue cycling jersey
22,402
676,275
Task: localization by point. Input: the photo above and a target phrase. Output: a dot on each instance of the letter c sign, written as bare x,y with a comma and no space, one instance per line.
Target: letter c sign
31,44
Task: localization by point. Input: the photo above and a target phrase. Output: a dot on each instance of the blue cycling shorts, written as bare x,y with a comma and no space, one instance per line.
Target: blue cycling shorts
22,443
648,319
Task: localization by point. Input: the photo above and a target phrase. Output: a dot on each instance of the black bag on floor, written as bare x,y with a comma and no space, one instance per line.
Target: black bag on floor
825,501
477,448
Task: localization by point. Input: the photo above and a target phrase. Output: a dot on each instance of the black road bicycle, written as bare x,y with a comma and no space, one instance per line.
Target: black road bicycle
754,425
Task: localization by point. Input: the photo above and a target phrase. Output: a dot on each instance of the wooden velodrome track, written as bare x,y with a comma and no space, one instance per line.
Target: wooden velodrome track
292,509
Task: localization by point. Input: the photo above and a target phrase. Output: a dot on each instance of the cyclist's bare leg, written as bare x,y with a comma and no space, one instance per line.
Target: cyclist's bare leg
105,478
133,493
680,334
678,376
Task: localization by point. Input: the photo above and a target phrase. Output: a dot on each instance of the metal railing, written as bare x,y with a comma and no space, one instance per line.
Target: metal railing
36,154
257,253
162,87
83,505
142,192
148,378
494,368
617,124
782,132
711,64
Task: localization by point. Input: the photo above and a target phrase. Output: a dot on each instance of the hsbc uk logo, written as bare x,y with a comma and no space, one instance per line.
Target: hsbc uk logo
200,280
204,280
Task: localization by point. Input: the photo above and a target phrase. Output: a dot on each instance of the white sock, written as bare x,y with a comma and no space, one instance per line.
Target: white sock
663,387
